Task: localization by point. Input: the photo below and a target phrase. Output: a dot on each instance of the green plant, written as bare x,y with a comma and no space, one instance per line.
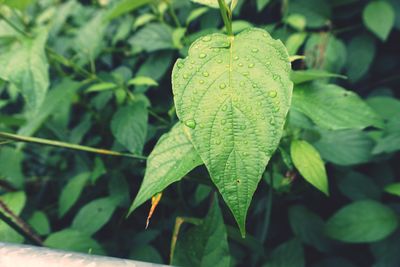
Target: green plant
255,106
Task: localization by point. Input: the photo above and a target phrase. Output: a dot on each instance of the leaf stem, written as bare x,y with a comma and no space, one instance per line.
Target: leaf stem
42,141
226,14
173,15
15,27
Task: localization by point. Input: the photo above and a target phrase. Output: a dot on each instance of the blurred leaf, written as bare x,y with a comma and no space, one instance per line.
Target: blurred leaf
362,221
302,76
146,253
332,107
308,227
386,252
379,17
227,132
25,65
11,166
210,3
294,42
19,4
94,215
393,189
129,126
73,240
142,80
357,186
205,244
288,254
40,223
126,6
308,162
153,37
196,13
15,201
345,147
71,192
360,55
171,159
261,4
316,12
99,87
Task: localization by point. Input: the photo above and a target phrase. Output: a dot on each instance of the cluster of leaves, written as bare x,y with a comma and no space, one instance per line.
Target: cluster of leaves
231,121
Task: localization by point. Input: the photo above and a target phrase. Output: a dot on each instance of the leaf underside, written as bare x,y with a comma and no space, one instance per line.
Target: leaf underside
233,95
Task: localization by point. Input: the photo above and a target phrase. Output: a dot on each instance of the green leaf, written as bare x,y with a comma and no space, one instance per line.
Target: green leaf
100,87
196,13
233,95
15,201
357,186
25,66
142,80
345,147
316,12
11,166
294,42
171,159
73,240
326,52
379,17
302,76
205,244
360,55
153,37
40,223
308,227
19,4
146,253
288,254
126,6
386,252
210,3
362,221
261,4
332,107
129,126
89,40
94,215
308,162
393,189
71,192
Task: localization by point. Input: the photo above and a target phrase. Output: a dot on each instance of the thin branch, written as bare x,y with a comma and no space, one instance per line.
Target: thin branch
20,138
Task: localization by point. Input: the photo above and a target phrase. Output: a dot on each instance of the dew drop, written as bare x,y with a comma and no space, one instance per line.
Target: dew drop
190,123
180,65
272,121
246,73
222,86
242,83
185,76
223,122
240,64
202,55
219,61
251,65
217,142
273,94
201,81
243,127
224,107
236,58
254,50
206,74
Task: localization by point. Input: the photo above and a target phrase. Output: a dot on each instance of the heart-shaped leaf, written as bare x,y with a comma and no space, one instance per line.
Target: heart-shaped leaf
233,95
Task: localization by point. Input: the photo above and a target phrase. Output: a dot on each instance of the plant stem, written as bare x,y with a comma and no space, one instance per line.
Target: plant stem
267,218
173,15
27,139
226,16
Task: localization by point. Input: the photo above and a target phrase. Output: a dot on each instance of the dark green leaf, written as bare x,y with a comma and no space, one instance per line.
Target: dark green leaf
379,18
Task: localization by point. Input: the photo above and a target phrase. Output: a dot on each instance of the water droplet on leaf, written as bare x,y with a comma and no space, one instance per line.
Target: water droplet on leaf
190,123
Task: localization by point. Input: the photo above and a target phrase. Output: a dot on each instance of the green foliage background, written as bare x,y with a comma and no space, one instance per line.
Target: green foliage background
98,74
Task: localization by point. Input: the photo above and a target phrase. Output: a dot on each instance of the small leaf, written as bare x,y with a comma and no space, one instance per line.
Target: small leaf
126,6
25,65
142,80
206,244
288,254
94,215
40,223
332,107
357,186
171,159
73,240
379,18
71,192
302,76
393,189
233,95
307,160
129,126
210,3
362,221
153,37
261,4
361,53
100,87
